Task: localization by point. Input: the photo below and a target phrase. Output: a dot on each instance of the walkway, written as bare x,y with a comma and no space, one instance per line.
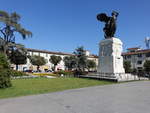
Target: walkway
132,97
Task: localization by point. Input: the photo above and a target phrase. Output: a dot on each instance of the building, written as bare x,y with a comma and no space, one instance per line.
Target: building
137,57
46,54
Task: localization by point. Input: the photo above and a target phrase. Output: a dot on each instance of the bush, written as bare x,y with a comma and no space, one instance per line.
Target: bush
80,73
15,73
4,72
5,78
3,62
64,72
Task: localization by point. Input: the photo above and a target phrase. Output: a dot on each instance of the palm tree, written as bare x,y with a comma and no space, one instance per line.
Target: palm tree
10,27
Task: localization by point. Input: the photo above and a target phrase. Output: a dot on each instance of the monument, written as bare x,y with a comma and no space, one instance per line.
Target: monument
110,49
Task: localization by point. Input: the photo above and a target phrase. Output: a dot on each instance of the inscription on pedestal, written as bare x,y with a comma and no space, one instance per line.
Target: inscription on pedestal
110,59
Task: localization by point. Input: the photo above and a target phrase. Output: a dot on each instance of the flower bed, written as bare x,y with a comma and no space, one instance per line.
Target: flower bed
45,74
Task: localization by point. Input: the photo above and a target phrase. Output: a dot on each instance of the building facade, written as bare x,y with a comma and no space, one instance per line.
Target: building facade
48,66
137,57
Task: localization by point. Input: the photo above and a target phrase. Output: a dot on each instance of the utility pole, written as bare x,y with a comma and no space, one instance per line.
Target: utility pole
147,42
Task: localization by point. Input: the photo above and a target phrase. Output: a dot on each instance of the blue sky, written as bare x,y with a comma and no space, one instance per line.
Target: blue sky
63,25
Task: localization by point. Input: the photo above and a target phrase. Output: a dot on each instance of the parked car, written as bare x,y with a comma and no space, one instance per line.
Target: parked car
48,71
28,71
37,71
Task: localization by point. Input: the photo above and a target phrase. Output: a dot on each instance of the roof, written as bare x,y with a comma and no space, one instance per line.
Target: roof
144,51
49,52
134,48
57,53
93,56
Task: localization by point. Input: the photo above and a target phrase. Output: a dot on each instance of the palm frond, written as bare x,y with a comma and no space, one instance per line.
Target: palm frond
4,14
25,33
15,17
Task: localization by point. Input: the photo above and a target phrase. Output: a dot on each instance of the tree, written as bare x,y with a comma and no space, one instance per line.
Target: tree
18,57
147,66
10,27
127,66
91,64
70,62
55,60
81,58
37,60
4,72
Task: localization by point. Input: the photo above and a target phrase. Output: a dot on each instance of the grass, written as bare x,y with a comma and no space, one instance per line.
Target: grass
23,87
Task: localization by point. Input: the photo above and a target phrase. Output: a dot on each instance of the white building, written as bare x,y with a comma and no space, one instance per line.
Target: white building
46,54
137,57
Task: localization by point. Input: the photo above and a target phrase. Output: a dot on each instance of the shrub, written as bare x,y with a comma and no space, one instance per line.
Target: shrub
3,62
5,78
80,73
4,72
64,72
15,73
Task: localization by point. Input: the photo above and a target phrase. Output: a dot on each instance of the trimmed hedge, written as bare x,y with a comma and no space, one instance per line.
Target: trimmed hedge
64,72
45,74
80,73
15,73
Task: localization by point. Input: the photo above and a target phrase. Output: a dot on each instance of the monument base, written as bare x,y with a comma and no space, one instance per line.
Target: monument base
119,77
110,59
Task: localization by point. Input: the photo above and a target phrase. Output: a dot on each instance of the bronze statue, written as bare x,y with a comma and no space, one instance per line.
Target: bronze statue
110,23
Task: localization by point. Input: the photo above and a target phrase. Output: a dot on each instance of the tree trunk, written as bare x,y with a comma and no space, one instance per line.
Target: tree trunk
55,68
17,67
5,48
38,68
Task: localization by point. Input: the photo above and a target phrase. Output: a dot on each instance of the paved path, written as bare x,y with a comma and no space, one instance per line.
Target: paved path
132,97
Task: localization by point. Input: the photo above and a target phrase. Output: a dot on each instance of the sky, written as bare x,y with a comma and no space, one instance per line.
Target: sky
64,25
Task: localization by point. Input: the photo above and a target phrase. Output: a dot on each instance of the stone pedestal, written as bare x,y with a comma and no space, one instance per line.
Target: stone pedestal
110,59
110,65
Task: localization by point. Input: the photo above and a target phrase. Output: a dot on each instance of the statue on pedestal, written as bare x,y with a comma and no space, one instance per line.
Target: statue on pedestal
110,23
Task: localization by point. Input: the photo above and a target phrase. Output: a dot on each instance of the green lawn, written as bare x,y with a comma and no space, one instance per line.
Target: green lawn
22,87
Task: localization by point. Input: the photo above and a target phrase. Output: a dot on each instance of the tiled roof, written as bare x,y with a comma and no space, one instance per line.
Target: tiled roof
57,53
134,48
49,52
137,52
93,56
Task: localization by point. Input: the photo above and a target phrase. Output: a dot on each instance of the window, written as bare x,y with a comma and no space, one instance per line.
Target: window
129,56
139,55
139,68
147,54
125,57
139,62
46,55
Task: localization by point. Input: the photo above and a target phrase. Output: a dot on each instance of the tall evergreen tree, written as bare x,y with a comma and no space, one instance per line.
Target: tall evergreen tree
80,54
